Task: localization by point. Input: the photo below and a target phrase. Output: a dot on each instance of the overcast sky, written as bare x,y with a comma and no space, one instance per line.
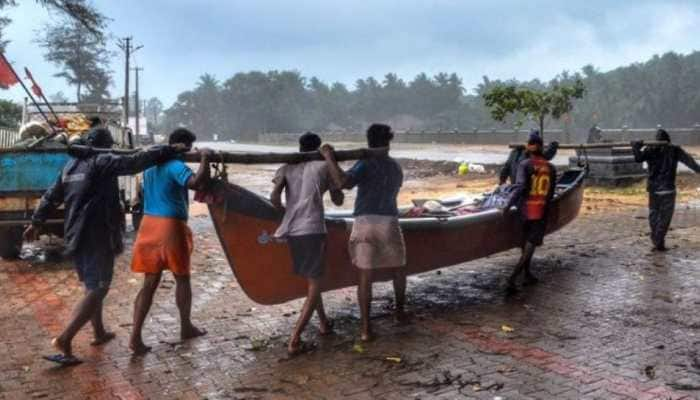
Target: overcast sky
341,40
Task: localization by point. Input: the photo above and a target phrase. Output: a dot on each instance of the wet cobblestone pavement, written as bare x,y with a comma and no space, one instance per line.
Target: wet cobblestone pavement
609,320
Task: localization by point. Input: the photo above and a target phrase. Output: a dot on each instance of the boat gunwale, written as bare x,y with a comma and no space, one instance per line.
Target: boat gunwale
456,221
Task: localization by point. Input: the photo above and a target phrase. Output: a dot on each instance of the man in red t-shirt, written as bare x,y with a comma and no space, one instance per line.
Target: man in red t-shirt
533,192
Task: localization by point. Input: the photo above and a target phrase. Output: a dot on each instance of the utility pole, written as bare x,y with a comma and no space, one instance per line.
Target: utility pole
137,103
127,46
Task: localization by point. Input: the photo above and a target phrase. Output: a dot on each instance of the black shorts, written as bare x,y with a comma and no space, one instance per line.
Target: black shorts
95,266
533,231
308,254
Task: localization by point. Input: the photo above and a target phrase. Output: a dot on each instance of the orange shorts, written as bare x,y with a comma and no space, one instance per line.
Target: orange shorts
162,243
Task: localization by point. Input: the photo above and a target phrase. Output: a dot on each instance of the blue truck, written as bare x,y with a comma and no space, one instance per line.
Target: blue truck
25,174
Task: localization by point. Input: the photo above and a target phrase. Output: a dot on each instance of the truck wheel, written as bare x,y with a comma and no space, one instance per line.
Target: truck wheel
11,242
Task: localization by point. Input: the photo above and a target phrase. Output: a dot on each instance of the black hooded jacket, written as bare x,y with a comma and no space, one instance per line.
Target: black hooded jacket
89,188
662,163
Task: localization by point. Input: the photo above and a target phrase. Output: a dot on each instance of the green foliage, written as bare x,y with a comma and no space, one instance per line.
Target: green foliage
664,90
82,57
78,10
553,101
10,114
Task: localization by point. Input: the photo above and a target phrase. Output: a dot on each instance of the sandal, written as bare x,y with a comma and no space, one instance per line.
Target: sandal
63,360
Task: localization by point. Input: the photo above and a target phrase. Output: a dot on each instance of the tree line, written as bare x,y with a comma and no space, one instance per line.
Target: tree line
664,90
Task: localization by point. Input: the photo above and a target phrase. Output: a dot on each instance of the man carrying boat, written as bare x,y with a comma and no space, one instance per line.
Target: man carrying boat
662,163
164,240
510,169
93,226
304,229
376,240
532,194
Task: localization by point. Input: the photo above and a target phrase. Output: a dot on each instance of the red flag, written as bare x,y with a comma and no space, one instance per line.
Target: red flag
35,87
7,75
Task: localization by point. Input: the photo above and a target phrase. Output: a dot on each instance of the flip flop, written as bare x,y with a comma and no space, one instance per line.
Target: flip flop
107,337
63,360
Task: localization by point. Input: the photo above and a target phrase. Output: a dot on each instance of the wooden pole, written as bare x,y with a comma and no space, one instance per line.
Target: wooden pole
259,158
598,145
53,129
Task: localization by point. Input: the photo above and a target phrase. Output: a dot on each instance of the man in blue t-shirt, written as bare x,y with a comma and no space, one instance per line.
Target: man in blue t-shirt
376,240
164,240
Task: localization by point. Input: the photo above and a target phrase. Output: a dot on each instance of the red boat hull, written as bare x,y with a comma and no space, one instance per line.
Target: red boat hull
245,223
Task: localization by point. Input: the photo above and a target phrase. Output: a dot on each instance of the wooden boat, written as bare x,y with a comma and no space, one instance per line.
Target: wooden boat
245,223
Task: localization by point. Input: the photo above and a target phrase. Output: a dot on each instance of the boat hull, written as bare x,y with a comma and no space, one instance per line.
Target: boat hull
262,265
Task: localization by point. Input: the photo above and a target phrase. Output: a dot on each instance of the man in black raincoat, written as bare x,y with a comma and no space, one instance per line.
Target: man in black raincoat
510,168
662,163
93,226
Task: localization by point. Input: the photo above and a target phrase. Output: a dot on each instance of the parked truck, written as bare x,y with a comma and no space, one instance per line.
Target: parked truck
25,174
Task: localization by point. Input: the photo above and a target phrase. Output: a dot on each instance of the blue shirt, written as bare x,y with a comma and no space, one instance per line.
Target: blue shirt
378,182
165,190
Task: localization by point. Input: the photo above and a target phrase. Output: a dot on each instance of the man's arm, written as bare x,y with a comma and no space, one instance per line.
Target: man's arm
551,151
519,186
48,203
340,179
132,164
688,160
639,155
276,195
505,171
199,180
552,182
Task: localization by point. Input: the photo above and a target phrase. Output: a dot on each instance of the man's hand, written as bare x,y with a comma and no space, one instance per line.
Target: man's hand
205,154
180,147
327,151
31,234
337,197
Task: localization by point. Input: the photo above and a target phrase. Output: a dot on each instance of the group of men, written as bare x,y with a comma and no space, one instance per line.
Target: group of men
534,180
93,229
376,241
94,225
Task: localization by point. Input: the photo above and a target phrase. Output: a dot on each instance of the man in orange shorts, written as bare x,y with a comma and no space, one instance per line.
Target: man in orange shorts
164,240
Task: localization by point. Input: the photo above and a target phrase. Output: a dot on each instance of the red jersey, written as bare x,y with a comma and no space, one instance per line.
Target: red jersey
540,185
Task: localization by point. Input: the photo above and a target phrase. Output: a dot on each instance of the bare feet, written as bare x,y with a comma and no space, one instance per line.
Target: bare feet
511,289
138,347
401,317
366,337
530,280
298,347
103,338
326,328
191,332
61,346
